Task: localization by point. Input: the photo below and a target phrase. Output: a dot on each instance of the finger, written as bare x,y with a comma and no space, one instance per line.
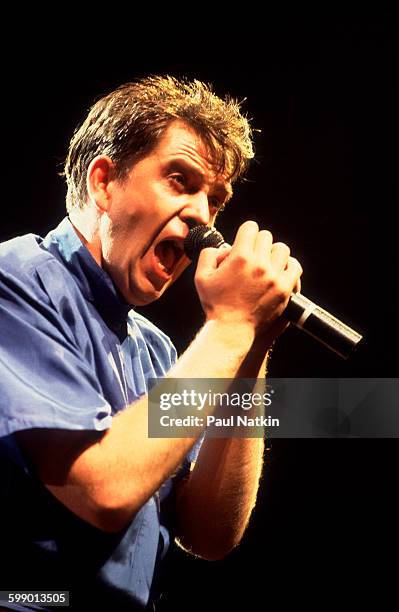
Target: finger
246,236
297,288
223,252
279,256
263,245
292,274
208,259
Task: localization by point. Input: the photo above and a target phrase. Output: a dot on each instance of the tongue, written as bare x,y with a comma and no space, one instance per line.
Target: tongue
164,251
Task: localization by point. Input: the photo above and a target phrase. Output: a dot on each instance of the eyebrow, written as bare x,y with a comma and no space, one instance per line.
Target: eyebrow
224,189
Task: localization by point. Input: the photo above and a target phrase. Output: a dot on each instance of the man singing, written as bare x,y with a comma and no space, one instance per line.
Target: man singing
89,502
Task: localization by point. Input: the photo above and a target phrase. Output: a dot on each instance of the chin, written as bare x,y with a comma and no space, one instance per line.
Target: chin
143,298
145,301
151,290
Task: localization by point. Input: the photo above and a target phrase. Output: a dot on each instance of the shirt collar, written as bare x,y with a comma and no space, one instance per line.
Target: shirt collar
95,284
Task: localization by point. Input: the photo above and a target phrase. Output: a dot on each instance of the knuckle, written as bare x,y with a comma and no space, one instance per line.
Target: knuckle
240,260
258,272
272,283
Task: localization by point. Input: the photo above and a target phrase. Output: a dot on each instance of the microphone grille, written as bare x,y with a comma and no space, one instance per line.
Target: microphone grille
201,237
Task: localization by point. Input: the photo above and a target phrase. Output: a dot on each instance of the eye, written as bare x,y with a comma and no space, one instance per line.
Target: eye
178,179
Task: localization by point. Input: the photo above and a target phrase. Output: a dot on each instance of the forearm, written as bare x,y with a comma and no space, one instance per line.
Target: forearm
214,511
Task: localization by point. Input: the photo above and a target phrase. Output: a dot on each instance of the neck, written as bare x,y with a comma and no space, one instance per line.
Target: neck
86,223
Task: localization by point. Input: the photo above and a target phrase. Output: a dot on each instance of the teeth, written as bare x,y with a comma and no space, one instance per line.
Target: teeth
162,266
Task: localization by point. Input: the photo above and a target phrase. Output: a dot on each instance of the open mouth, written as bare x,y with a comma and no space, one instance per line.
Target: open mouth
167,255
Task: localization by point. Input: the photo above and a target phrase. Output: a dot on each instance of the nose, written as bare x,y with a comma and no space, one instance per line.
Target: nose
196,210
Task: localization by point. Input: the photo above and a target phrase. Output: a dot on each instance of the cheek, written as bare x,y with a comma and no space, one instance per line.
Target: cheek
116,247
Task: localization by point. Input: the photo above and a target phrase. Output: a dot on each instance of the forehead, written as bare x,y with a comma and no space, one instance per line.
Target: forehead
181,141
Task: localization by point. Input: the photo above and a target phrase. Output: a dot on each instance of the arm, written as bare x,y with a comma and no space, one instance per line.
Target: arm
213,513
105,480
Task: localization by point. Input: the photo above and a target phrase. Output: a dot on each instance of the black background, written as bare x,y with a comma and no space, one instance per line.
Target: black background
321,91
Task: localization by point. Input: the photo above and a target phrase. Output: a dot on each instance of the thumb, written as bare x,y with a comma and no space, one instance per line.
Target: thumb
223,251
208,260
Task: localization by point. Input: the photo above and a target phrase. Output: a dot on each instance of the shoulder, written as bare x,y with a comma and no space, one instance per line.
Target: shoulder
36,289
20,260
31,271
22,254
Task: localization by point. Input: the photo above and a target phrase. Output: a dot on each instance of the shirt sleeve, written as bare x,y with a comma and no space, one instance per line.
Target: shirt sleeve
44,379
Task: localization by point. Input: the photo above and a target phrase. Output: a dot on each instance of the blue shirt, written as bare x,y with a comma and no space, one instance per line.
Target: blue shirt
72,355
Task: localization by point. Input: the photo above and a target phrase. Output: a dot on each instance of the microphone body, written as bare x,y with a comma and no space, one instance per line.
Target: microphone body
300,311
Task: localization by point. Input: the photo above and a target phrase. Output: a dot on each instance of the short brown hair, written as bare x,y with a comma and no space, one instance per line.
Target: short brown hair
128,123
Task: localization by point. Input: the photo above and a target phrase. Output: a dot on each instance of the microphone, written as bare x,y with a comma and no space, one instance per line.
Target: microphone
300,311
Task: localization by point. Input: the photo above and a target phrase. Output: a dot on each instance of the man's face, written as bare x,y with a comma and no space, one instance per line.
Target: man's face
143,250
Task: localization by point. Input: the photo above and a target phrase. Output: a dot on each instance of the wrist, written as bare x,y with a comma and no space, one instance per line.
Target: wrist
235,333
218,351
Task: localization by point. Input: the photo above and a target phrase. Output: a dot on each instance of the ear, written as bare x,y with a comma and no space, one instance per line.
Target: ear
99,175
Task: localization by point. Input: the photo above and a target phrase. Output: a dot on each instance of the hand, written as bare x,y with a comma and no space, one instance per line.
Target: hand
250,282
